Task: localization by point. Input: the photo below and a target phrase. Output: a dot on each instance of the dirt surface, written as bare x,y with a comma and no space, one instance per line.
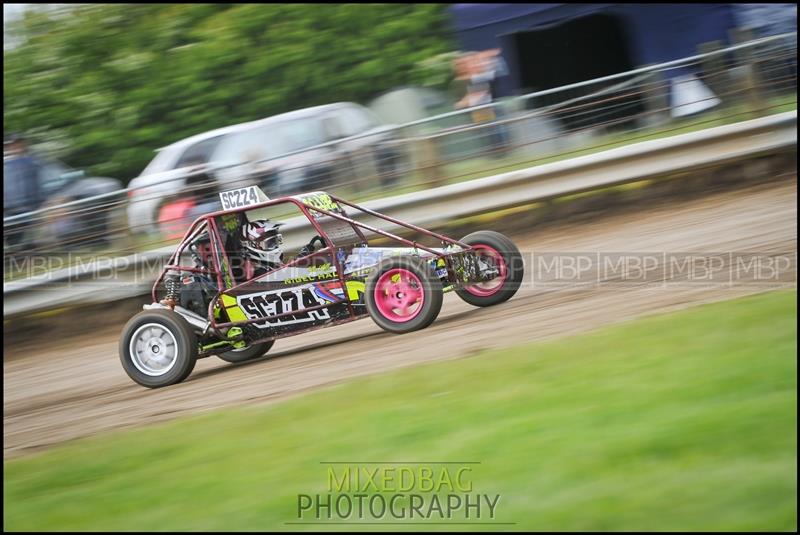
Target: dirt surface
60,390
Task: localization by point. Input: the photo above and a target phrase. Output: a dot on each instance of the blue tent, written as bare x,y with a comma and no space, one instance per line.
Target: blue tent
547,45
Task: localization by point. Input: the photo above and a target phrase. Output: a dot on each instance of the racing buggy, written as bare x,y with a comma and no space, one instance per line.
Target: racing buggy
212,298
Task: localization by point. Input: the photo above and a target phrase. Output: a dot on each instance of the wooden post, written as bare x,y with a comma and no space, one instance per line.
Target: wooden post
750,80
656,99
714,74
425,155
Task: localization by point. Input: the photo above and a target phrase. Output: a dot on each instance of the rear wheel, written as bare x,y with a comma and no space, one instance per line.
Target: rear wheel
403,295
158,348
498,254
248,353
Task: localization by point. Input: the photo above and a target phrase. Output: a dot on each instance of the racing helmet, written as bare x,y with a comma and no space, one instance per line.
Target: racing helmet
262,242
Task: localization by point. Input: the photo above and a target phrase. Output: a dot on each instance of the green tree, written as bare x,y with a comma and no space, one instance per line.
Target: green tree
105,85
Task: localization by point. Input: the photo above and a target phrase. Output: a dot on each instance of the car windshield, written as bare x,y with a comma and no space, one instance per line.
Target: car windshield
268,141
162,162
297,134
183,155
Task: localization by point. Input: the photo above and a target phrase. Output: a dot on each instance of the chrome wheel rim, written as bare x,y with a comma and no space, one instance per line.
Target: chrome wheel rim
153,349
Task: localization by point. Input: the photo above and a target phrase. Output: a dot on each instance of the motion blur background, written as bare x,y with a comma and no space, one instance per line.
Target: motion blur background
130,118
167,104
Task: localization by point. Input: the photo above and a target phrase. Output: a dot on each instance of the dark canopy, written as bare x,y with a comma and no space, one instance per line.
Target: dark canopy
580,41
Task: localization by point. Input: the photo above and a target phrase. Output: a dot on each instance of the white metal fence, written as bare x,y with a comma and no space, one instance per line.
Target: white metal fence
95,278
717,87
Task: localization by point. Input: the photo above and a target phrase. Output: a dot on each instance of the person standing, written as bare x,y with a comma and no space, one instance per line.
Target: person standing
21,184
472,69
496,66
481,70
22,190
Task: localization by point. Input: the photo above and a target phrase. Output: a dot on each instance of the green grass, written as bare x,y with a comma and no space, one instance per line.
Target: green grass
685,421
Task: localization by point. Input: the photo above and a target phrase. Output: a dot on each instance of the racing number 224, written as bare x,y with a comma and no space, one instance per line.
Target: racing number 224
238,198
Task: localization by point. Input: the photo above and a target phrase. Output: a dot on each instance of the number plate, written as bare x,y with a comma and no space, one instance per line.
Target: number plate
241,197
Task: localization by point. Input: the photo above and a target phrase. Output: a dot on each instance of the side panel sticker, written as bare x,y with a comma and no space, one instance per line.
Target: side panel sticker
332,291
271,303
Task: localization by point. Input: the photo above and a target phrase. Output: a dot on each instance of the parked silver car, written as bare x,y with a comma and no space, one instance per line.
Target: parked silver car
280,154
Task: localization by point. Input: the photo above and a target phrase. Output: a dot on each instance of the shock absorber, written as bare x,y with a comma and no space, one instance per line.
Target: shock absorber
172,283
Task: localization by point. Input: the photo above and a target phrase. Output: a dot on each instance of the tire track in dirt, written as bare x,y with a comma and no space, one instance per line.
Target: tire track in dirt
73,388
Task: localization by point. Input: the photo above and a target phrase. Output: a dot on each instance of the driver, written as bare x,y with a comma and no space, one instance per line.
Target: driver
261,243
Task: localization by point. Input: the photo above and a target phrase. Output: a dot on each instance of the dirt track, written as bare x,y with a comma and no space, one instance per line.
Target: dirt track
78,388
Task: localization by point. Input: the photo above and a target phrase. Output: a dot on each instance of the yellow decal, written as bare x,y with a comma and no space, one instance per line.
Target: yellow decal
322,201
354,288
230,222
312,278
324,267
225,272
232,308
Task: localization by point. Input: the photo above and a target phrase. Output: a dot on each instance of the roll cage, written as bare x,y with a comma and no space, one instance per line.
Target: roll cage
309,204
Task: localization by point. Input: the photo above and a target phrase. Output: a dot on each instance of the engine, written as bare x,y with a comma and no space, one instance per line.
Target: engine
196,292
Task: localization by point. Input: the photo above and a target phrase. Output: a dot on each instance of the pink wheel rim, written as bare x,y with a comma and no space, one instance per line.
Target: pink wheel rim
399,295
492,257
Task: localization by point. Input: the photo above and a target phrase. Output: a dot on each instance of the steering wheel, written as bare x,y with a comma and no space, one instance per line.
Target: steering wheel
308,249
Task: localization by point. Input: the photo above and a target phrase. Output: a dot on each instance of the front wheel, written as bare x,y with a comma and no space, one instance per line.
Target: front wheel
158,348
402,295
248,353
498,255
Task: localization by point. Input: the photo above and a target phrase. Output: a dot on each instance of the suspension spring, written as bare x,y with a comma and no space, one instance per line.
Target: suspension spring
173,286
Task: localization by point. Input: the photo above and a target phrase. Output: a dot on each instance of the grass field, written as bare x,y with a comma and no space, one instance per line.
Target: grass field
685,421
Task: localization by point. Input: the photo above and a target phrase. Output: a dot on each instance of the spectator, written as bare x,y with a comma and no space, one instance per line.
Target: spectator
482,71
22,191
470,68
499,69
496,68
21,184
